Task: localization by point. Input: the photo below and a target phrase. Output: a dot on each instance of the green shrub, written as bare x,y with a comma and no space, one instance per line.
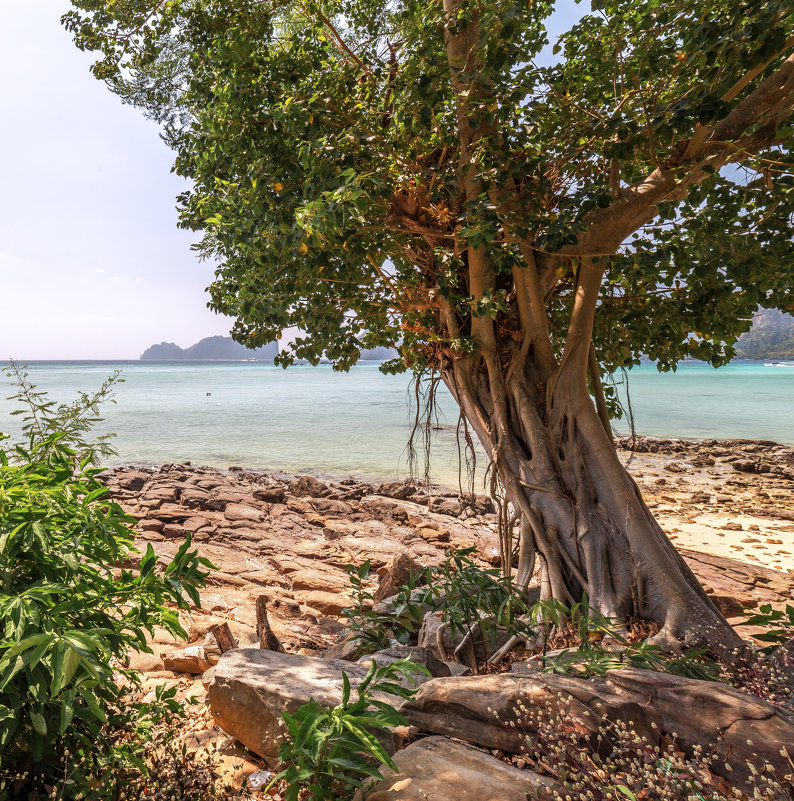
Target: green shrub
328,751
373,630
68,613
779,625
67,424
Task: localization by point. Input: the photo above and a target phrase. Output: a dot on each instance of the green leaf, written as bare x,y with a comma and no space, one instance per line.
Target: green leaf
39,724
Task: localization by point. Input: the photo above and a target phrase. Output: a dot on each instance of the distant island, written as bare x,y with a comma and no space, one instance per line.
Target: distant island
770,339
224,349
216,348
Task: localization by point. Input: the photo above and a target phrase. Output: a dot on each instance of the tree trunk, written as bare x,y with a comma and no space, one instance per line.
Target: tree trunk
581,513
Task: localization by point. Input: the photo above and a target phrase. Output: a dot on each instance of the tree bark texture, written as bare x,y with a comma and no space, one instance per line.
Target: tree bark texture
581,515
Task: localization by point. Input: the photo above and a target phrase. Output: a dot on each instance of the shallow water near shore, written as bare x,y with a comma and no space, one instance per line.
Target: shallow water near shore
313,420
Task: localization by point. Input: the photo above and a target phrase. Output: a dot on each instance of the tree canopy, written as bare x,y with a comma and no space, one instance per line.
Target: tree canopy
509,212
324,143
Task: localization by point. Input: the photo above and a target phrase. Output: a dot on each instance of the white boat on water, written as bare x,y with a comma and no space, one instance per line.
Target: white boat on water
778,364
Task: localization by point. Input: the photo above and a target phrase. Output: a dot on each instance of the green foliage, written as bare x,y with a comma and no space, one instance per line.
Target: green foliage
43,418
471,600
328,751
68,612
476,601
373,630
323,144
602,645
137,755
779,625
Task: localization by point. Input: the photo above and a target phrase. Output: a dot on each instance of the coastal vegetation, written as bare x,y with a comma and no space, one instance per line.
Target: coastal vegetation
516,218
71,611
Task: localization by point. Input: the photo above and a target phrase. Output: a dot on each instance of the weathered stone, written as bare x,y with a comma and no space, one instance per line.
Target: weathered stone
308,486
438,768
269,494
397,489
446,506
727,604
436,636
481,709
739,727
219,499
132,481
396,574
145,663
328,603
333,581
235,512
193,524
347,649
250,688
173,531
192,659
150,525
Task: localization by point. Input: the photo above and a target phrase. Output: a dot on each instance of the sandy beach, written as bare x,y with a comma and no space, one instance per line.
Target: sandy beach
706,500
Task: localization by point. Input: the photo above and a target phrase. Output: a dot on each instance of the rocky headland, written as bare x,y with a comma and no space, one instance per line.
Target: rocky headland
729,507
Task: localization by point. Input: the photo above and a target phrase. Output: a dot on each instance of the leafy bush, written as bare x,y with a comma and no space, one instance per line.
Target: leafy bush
779,625
327,751
472,600
141,757
68,613
372,630
477,602
602,645
68,424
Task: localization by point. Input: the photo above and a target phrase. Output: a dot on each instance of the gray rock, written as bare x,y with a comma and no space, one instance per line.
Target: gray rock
438,768
420,656
436,636
739,727
250,688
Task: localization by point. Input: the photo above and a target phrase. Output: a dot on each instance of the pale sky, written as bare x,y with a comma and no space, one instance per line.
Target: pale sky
92,265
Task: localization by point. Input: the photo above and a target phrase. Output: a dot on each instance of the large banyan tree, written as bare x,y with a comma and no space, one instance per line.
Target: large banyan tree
518,215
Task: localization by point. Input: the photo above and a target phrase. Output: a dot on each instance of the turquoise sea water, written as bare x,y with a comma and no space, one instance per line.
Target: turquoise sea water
310,419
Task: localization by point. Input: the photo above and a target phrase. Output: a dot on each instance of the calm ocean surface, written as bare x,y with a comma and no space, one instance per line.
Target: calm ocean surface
310,419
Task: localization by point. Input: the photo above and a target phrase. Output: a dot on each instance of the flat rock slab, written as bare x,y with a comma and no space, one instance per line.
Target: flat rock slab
437,768
502,710
738,727
250,689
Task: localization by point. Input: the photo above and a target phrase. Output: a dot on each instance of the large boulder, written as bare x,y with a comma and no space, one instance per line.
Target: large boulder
502,710
438,768
250,688
738,727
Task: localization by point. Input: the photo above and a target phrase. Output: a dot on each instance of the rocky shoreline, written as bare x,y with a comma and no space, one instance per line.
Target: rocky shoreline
290,538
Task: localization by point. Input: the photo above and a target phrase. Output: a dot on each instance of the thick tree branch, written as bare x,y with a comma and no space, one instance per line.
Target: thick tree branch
768,106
